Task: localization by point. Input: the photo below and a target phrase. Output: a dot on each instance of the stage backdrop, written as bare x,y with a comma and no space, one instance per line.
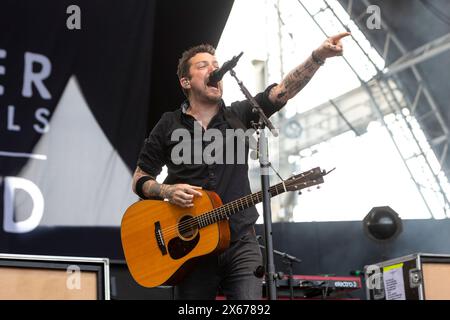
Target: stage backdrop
81,85
72,110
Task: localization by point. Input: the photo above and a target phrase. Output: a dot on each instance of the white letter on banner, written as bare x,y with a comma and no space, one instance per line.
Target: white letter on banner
9,225
29,77
11,125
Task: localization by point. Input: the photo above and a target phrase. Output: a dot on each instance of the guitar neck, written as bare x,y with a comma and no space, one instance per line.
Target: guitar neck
227,210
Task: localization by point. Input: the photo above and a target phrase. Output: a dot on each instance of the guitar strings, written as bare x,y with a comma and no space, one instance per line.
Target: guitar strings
208,216
186,225
236,203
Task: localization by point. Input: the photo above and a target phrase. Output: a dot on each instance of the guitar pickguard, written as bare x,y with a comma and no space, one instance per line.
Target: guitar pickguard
178,248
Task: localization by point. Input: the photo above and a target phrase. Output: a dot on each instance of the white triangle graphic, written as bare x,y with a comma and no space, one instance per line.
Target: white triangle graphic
84,181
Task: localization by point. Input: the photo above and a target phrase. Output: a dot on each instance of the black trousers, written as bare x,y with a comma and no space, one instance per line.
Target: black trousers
232,272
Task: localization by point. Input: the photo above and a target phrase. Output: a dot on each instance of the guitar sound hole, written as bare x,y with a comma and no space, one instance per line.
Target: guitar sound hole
187,227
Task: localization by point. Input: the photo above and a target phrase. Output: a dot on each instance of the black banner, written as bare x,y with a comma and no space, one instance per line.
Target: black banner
81,85
74,104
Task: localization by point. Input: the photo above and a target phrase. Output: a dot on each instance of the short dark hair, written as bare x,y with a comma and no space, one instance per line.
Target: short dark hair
183,62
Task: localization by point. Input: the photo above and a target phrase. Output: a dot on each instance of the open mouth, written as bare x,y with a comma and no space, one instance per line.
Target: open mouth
213,85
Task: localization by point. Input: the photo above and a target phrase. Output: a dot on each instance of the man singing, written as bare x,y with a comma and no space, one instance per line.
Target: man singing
234,269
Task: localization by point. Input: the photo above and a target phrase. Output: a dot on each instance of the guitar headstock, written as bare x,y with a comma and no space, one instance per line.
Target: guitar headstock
306,179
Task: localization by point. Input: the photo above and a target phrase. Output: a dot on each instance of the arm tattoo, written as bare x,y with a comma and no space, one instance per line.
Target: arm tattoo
295,81
155,189
281,94
152,188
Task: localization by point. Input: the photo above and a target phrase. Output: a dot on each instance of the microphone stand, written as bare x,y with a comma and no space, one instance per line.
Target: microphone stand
289,261
263,156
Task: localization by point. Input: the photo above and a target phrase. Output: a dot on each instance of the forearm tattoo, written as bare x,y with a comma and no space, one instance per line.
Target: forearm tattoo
155,189
295,81
152,188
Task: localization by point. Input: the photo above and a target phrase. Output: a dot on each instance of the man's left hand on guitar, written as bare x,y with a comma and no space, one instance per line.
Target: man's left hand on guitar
180,194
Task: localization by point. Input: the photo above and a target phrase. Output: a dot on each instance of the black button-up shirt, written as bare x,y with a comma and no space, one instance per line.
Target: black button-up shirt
229,181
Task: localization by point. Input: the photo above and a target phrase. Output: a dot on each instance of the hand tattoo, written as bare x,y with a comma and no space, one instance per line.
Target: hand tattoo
167,191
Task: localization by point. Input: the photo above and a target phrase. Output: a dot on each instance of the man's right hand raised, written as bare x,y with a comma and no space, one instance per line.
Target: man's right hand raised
180,194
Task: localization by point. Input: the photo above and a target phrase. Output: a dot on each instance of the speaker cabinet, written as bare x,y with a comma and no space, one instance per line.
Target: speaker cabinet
29,277
420,276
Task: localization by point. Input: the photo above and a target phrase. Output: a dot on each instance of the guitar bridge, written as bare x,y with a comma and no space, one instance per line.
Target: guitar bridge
160,238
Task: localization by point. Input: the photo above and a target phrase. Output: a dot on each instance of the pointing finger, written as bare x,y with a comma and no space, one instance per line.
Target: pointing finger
339,36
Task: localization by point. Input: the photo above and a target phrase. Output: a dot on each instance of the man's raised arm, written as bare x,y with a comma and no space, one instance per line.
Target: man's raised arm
297,79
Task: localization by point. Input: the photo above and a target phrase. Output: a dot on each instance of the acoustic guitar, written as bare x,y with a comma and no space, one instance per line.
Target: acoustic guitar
161,240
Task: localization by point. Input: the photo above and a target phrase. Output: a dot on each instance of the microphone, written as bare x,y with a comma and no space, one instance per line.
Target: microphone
218,74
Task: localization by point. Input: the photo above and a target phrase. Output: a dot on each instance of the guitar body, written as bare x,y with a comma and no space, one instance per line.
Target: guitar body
160,241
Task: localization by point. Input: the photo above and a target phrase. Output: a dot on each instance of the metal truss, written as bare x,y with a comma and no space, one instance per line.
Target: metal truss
385,95
421,54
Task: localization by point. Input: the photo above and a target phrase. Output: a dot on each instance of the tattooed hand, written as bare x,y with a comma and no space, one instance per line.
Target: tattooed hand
180,194
331,47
